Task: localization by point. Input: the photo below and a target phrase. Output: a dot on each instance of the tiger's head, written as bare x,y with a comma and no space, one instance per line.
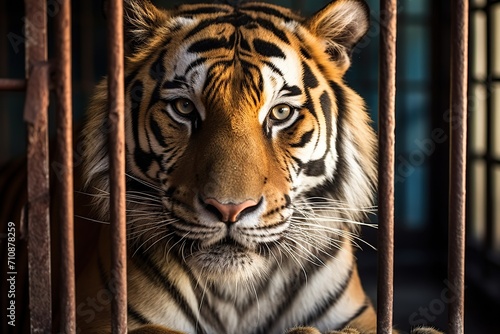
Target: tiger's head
243,142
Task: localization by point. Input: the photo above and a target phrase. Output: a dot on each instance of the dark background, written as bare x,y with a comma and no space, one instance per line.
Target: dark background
422,143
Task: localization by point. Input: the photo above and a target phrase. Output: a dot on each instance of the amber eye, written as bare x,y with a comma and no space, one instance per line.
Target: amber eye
183,107
281,112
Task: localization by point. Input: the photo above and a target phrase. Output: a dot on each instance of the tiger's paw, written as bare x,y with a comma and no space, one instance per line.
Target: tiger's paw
303,330
154,329
347,330
425,330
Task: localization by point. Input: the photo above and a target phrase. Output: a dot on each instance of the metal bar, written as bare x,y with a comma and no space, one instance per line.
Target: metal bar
36,117
117,165
12,84
64,146
458,145
387,97
490,128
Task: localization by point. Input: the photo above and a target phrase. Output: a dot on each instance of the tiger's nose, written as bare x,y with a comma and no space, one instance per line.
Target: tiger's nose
230,212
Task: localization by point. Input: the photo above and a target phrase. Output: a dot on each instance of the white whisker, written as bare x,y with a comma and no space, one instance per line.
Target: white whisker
92,220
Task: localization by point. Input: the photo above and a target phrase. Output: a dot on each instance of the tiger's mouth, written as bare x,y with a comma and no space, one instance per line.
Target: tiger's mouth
213,238
231,251
227,258
227,248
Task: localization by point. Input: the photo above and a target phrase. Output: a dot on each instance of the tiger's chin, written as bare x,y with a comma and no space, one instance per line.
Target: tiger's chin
227,263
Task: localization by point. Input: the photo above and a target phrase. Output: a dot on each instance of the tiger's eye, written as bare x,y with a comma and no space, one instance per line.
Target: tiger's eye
183,106
281,112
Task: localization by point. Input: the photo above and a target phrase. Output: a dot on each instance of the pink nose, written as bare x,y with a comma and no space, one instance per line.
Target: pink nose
229,212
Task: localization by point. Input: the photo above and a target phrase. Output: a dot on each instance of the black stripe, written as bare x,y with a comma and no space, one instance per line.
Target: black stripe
214,79
157,70
247,66
155,98
174,84
267,49
133,184
155,128
306,138
331,301
154,274
310,80
361,309
288,200
208,313
268,25
226,19
308,104
155,95
294,286
292,91
326,106
244,45
204,10
341,170
143,160
135,315
249,88
130,76
315,167
210,44
269,11
305,53
136,95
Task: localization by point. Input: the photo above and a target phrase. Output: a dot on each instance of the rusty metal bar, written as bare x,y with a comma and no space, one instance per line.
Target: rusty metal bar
12,84
387,97
64,146
36,117
116,103
458,155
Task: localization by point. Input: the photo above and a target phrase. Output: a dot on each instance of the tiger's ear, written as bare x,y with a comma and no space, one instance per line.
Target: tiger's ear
141,19
341,24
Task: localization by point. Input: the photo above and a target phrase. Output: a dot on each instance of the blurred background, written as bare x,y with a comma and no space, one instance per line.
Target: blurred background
423,122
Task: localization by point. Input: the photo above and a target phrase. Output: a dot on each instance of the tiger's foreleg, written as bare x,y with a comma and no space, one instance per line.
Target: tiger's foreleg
350,330
154,329
312,330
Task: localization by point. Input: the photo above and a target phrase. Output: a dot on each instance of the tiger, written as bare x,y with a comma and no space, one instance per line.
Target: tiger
250,167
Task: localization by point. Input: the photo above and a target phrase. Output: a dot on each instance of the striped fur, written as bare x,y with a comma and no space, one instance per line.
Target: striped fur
235,104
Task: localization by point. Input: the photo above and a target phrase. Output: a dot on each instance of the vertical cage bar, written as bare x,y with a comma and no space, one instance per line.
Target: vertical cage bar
36,117
117,165
458,143
490,128
65,159
387,98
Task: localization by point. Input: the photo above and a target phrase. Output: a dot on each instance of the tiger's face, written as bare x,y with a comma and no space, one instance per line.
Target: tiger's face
239,123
